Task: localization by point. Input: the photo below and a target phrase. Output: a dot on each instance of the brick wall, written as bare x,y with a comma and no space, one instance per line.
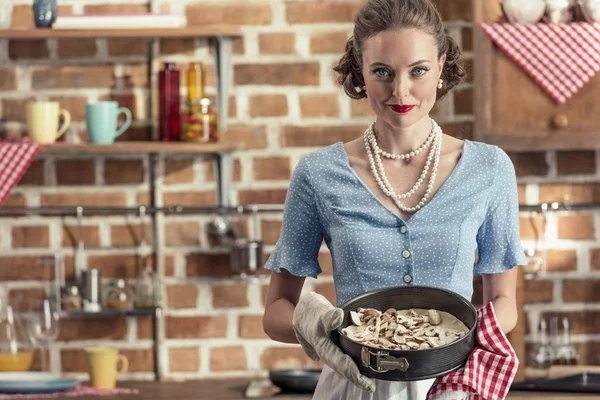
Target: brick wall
284,103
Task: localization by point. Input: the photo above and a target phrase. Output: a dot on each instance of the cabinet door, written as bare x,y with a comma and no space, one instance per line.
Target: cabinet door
513,111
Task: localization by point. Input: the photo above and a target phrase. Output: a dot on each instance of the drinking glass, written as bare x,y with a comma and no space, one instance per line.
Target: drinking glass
42,325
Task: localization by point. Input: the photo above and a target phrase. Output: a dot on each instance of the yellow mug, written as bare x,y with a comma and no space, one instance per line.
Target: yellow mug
103,366
42,121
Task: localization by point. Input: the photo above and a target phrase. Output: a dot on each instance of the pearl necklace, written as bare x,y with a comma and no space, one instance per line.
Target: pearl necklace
379,173
407,155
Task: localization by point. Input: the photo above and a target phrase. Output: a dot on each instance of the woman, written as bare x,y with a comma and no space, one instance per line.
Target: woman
402,205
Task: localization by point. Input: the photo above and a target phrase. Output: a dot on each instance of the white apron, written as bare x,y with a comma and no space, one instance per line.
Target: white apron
333,386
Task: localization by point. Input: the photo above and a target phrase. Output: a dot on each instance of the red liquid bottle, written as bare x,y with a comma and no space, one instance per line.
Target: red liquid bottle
168,86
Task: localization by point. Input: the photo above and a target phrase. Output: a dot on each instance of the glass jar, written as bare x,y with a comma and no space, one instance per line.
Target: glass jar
16,350
195,82
170,119
200,122
118,296
70,298
147,290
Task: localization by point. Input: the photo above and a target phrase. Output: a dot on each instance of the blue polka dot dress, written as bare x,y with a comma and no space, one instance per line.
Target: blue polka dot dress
474,211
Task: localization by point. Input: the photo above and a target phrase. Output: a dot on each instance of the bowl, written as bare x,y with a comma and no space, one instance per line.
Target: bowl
16,362
409,365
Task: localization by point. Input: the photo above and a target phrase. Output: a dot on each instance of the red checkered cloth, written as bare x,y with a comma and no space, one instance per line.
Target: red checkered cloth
15,158
490,369
77,391
561,58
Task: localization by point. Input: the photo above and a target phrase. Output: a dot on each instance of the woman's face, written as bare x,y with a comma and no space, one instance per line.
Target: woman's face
401,73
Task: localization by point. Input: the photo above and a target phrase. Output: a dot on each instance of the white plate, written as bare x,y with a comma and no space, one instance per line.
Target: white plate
27,376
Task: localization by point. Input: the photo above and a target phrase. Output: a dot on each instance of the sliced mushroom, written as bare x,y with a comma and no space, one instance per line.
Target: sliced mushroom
400,330
370,313
356,318
398,338
435,318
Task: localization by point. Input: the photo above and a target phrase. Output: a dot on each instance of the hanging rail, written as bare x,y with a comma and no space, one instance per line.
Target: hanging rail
72,211
268,208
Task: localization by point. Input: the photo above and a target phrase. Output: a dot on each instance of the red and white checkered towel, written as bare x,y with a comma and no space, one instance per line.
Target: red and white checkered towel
77,391
15,158
560,58
490,369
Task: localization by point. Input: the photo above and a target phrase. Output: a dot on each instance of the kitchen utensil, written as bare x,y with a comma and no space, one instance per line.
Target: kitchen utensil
542,353
221,231
91,285
566,354
523,12
147,290
80,251
296,380
246,255
410,365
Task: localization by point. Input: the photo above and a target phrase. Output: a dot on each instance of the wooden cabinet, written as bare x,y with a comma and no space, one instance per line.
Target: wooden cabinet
514,112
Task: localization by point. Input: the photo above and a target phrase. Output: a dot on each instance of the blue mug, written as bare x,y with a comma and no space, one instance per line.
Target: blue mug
102,118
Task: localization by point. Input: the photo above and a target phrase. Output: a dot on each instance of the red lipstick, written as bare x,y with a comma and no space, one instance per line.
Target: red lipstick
402,109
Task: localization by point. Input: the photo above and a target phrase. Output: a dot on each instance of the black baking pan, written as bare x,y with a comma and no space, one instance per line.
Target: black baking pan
296,380
410,365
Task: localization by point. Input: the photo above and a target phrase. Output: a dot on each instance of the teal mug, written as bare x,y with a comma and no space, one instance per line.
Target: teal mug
102,118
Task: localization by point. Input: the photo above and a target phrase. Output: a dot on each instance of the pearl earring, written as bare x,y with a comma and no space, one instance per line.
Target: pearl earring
440,83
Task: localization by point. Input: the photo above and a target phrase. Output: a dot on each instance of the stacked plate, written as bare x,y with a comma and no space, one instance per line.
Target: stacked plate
33,382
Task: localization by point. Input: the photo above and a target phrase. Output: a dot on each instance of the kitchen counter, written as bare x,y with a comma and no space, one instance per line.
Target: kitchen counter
233,389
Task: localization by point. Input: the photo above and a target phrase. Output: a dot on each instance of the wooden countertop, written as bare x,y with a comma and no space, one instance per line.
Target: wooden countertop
233,389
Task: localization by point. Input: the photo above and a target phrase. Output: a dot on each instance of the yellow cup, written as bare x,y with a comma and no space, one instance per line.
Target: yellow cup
103,366
42,121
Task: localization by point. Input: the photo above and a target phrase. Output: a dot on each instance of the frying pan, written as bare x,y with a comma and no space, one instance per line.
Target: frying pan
296,380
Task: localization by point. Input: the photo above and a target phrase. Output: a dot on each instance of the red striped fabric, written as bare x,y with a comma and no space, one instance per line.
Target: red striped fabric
490,369
560,58
15,158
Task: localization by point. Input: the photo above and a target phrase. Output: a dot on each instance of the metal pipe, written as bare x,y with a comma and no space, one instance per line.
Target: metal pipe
72,211
266,208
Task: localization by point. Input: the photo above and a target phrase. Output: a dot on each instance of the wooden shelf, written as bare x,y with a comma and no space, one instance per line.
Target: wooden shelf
201,31
138,148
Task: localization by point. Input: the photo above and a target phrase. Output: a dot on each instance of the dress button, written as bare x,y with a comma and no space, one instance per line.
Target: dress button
407,278
406,254
404,229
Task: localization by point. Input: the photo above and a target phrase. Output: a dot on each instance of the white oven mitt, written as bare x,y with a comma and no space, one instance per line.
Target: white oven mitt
314,317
